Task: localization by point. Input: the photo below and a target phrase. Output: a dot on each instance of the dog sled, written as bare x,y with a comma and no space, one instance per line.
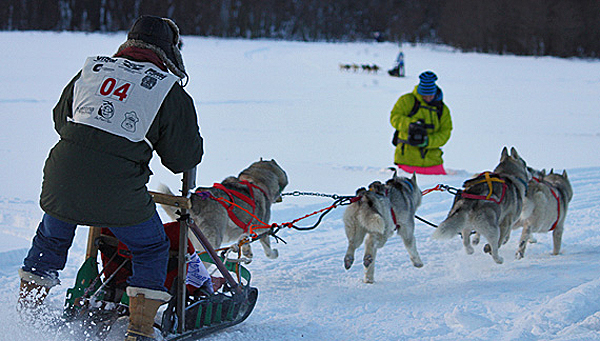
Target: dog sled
98,299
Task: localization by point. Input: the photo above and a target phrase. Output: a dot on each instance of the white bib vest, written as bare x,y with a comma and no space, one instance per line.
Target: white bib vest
120,96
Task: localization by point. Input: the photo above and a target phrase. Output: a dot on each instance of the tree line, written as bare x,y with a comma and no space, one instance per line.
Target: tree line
564,28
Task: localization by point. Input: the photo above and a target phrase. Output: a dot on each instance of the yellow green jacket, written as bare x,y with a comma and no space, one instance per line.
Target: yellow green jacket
431,155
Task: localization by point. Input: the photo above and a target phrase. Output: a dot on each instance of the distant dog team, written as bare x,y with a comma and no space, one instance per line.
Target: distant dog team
374,68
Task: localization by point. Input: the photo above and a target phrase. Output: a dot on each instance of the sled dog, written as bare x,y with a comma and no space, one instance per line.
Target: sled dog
381,210
490,204
544,209
254,189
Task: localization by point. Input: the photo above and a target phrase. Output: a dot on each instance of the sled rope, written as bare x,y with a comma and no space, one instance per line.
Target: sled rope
339,201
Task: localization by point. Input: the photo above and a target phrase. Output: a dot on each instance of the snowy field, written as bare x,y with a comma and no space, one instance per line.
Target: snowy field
329,129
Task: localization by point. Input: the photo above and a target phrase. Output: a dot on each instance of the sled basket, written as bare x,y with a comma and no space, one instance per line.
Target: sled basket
92,306
214,312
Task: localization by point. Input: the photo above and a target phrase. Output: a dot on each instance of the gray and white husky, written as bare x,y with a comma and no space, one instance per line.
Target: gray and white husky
545,208
381,210
489,205
262,182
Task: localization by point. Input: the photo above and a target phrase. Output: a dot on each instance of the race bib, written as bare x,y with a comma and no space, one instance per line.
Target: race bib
120,96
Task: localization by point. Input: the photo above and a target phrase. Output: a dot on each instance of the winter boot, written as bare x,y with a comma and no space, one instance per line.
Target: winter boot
143,305
31,295
33,291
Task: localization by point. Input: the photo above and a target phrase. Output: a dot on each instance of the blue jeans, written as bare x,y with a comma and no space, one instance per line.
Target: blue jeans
147,242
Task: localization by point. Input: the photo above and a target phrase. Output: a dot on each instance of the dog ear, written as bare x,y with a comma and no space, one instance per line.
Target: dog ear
393,169
414,178
564,174
513,153
504,154
361,191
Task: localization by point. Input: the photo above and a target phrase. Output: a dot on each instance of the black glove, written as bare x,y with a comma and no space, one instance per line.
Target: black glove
417,134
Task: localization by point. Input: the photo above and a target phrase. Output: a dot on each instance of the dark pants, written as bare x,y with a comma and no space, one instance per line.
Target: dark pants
147,242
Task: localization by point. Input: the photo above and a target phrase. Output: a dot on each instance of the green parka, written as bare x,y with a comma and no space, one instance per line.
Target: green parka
431,155
95,178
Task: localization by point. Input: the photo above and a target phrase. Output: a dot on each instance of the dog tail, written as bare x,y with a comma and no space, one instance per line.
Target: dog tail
450,227
371,216
162,188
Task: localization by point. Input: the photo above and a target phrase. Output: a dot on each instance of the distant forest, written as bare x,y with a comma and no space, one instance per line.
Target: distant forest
563,28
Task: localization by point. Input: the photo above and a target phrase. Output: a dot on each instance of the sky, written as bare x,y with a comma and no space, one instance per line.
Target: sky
329,129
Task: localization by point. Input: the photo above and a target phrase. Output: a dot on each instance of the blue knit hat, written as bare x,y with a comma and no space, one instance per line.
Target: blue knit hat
427,85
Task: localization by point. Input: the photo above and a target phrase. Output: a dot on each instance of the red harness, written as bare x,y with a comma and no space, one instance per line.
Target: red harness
557,202
248,200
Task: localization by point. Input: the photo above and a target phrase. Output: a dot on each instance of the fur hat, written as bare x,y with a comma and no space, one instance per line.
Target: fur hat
160,35
427,85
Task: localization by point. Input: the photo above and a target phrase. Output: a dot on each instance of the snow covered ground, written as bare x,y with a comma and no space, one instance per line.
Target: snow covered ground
329,130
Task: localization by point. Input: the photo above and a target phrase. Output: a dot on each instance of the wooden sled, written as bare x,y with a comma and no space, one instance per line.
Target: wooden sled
98,298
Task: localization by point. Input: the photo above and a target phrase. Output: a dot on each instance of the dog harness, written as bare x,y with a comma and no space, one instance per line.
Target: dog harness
248,200
488,179
392,209
555,197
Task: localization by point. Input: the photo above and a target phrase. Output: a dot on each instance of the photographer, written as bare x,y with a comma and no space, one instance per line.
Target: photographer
423,125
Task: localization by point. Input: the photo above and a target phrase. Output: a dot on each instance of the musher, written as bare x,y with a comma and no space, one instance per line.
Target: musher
111,117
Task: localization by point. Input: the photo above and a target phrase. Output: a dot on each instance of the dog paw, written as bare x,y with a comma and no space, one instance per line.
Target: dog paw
348,260
519,255
499,260
469,249
273,254
367,260
417,263
475,239
487,248
368,280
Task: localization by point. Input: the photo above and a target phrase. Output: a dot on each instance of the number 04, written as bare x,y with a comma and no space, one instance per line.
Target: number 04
109,88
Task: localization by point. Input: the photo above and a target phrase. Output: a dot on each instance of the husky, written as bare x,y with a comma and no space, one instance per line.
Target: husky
381,210
254,189
544,209
490,204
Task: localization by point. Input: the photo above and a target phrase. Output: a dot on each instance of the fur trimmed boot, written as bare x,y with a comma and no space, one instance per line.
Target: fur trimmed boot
143,305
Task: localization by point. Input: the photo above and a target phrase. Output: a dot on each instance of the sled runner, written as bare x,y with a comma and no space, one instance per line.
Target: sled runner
98,298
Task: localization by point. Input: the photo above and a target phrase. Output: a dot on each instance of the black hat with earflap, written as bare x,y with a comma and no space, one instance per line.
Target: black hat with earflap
160,35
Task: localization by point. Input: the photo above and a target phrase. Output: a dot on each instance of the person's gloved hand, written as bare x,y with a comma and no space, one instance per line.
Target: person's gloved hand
424,144
417,134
